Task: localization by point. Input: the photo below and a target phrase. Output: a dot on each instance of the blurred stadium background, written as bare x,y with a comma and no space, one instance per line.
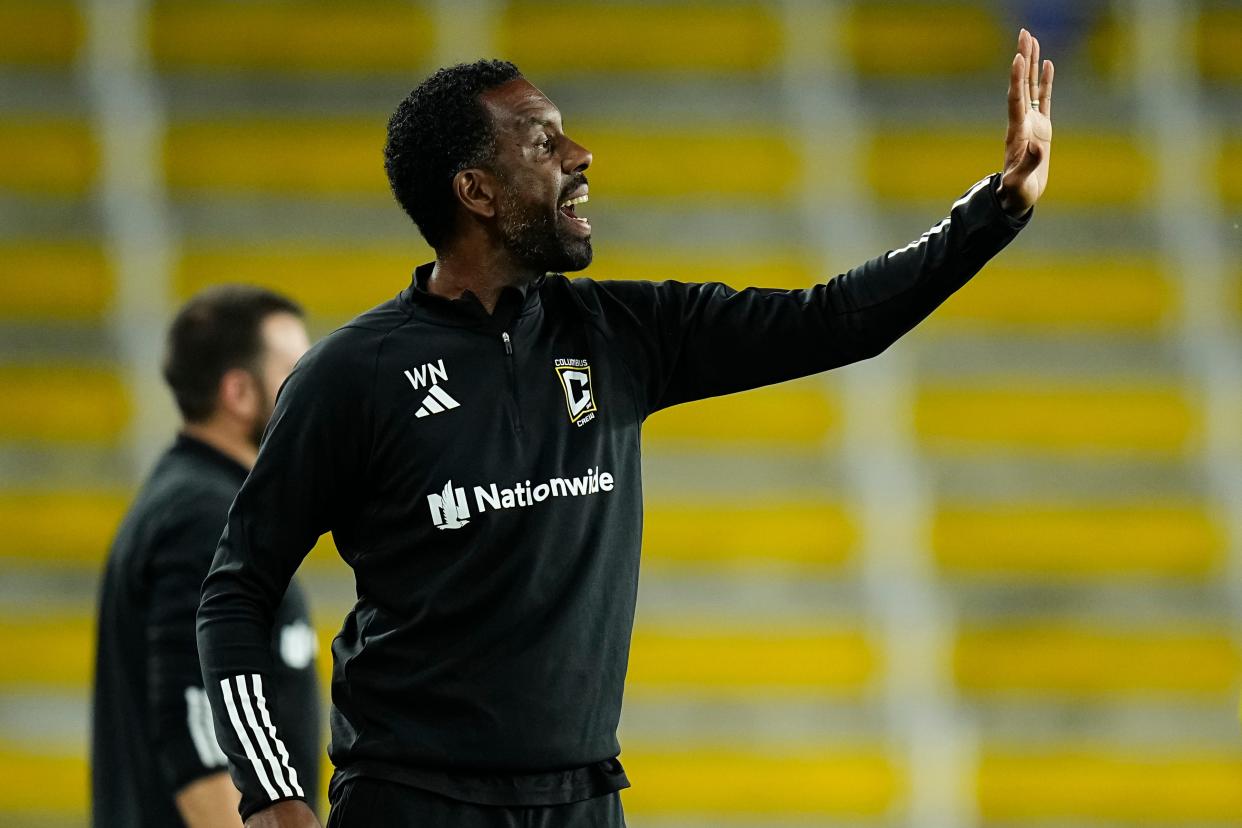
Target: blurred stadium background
992,578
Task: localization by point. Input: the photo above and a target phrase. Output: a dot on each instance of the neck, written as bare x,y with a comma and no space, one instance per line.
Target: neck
225,440
483,270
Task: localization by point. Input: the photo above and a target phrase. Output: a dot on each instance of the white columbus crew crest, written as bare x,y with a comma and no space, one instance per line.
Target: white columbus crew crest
575,377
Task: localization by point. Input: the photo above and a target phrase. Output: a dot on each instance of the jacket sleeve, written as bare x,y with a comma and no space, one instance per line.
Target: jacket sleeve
180,718
303,480
703,340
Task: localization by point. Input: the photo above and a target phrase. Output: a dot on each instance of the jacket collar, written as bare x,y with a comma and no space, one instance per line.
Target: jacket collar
191,445
466,310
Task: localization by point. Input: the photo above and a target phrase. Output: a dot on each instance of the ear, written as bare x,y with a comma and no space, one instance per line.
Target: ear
477,190
238,395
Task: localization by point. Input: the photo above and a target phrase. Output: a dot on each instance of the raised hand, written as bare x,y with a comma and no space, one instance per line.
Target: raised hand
1028,140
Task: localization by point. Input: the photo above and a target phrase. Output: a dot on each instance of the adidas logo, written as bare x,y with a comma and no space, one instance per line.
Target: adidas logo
429,376
437,400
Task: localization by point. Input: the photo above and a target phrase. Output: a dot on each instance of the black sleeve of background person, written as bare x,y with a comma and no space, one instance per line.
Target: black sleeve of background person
703,340
305,473
174,575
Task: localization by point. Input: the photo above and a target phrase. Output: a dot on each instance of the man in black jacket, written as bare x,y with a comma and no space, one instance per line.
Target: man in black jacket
473,446
154,758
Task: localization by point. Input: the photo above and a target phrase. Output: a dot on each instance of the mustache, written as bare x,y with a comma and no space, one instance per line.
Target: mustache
578,180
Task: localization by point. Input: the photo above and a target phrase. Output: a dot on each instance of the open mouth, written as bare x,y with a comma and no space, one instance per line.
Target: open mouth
569,209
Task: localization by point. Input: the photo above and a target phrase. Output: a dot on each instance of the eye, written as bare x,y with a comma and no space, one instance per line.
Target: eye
545,143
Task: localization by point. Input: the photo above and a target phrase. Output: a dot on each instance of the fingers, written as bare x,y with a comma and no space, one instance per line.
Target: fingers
1023,59
1045,90
1017,90
1032,63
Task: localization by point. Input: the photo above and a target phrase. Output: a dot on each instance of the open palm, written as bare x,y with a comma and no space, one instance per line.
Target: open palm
1028,140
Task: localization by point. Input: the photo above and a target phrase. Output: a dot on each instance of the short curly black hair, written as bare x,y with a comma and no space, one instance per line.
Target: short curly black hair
440,129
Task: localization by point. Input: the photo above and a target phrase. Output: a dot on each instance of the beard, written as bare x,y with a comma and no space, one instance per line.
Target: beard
541,240
267,408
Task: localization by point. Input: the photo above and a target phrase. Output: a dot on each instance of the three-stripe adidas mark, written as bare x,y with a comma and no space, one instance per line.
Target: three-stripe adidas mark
252,724
437,400
429,375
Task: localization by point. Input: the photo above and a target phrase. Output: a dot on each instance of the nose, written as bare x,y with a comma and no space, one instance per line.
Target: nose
577,159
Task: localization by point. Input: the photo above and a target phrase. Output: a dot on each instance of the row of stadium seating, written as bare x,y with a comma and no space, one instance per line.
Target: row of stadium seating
908,39
309,157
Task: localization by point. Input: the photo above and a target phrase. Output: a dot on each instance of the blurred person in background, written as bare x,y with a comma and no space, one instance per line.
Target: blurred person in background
155,760
473,446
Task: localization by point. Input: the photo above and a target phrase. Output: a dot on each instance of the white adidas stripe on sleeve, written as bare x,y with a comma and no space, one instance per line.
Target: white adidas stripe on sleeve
244,737
198,720
260,738
943,223
271,729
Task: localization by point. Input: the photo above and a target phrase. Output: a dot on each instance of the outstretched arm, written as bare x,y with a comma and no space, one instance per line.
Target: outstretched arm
1028,140
703,340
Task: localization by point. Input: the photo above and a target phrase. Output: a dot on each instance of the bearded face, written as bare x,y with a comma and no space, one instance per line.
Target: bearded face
547,236
542,183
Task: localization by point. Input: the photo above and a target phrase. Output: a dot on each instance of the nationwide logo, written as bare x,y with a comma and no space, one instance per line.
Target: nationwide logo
437,400
575,376
450,509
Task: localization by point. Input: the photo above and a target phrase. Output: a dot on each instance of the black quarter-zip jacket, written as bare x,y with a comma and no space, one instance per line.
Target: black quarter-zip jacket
481,476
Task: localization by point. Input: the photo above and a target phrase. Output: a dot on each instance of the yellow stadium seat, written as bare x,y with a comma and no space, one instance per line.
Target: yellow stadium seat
70,403
1069,784
61,528
743,163
791,415
1082,540
1218,41
746,663
324,556
548,39
57,651
1078,661
744,533
61,281
740,269
918,40
39,33
46,157
1093,169
333,282
294,156
1085,419
1229,171
1112,293
723,785
358,37
41,785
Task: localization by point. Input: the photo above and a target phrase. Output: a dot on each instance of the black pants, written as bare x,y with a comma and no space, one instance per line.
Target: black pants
370,803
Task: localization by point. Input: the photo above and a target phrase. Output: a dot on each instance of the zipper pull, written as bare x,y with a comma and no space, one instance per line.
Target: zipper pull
508,343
